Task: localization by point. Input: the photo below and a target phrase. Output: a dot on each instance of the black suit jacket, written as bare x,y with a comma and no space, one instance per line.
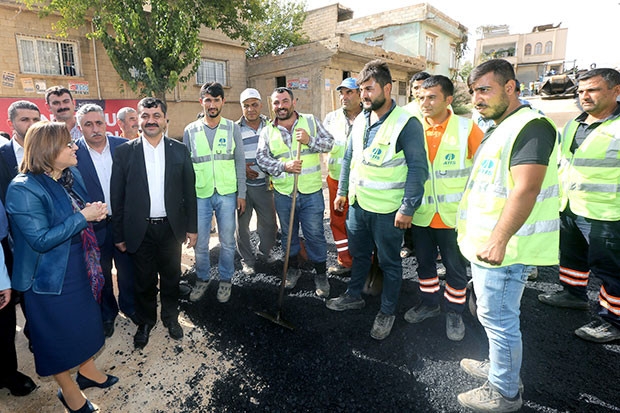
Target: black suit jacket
129,192
91,180
8,167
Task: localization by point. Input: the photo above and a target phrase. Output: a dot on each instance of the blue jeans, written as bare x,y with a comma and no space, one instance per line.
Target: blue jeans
498,292
365,230
309,210
225,207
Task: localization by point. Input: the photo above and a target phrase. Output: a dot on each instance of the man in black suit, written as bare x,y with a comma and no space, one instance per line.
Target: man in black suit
21,115
154,202
94,154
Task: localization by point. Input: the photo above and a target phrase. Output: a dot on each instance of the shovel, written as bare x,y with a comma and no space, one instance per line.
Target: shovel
277,318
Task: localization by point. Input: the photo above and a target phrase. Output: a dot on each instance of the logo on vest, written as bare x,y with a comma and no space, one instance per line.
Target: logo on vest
449,160
376,154
487,167
222,141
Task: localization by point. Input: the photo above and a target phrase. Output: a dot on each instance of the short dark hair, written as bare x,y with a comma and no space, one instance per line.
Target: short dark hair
376,69
57,91
610,76
151,102
283,89
446,85
502,69
214,89
20,104
420,76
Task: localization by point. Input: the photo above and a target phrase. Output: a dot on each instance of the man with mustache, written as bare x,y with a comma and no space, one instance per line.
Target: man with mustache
94,154
507,222
61,104
277,155
218,158
127,119
590,208
383,173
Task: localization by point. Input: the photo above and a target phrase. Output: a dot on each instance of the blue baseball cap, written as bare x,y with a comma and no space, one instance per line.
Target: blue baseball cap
349,83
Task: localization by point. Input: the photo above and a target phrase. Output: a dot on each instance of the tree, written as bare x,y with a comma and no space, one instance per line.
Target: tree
154,44
281,29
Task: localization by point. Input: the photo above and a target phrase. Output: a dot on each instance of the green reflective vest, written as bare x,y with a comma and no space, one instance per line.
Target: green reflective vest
337,126
591,176
309,180
214,168
488,188
448,174
378,172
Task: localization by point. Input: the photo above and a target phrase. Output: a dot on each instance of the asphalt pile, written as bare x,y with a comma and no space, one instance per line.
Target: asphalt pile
329,362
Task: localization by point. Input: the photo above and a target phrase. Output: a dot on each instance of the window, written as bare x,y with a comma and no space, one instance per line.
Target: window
430,48
281,81
549,47
211,71
453,59
528,49
402,88
538,48
48,57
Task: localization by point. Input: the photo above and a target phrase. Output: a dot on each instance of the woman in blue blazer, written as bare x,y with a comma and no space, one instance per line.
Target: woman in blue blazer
56,262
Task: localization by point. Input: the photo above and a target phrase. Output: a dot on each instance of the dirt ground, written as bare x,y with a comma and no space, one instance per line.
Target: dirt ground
232,360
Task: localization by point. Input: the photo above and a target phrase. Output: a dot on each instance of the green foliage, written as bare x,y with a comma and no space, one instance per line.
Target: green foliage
281,29
462,99
154,44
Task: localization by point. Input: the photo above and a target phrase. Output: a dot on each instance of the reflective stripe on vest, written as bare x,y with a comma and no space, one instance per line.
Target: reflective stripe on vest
214,168
378,173
486,193
309,180
448,174
338,128
591,176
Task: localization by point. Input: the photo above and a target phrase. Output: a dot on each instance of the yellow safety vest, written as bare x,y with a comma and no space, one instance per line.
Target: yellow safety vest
448,174
378,172
338,128
214,168
413,107
488,188
309,180
591,176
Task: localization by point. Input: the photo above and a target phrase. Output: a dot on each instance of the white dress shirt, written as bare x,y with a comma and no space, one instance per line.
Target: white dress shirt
155,161
18,150
103,167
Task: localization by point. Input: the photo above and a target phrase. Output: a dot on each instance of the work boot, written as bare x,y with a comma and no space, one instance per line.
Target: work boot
455,328
292,276
598,331
322,285
199,290
382,326
345,302
480,370
564,299
421,312
488,399
339,270
246,268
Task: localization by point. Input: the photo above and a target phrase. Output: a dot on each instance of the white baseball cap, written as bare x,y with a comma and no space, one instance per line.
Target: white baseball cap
249,93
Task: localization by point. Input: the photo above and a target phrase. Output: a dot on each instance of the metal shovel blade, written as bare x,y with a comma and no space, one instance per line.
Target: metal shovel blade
276,319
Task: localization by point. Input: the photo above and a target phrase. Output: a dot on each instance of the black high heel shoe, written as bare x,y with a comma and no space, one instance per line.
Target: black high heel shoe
87,408
85,382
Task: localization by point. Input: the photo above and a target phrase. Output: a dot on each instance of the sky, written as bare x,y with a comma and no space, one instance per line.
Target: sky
591,37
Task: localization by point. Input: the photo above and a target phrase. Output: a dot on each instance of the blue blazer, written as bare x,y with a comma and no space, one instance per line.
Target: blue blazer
43,224
91,180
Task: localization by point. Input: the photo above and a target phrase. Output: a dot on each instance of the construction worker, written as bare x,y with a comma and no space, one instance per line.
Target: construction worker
450,144
339,123
590,208
383,173
276,154
507,221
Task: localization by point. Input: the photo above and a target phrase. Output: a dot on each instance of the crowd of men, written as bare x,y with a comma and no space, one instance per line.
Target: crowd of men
519,195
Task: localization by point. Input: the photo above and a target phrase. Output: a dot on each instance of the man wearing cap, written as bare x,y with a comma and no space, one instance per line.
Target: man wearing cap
339,123
259,197
216,148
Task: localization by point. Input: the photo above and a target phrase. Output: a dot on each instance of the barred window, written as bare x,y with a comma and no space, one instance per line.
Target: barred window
212,71
48,57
